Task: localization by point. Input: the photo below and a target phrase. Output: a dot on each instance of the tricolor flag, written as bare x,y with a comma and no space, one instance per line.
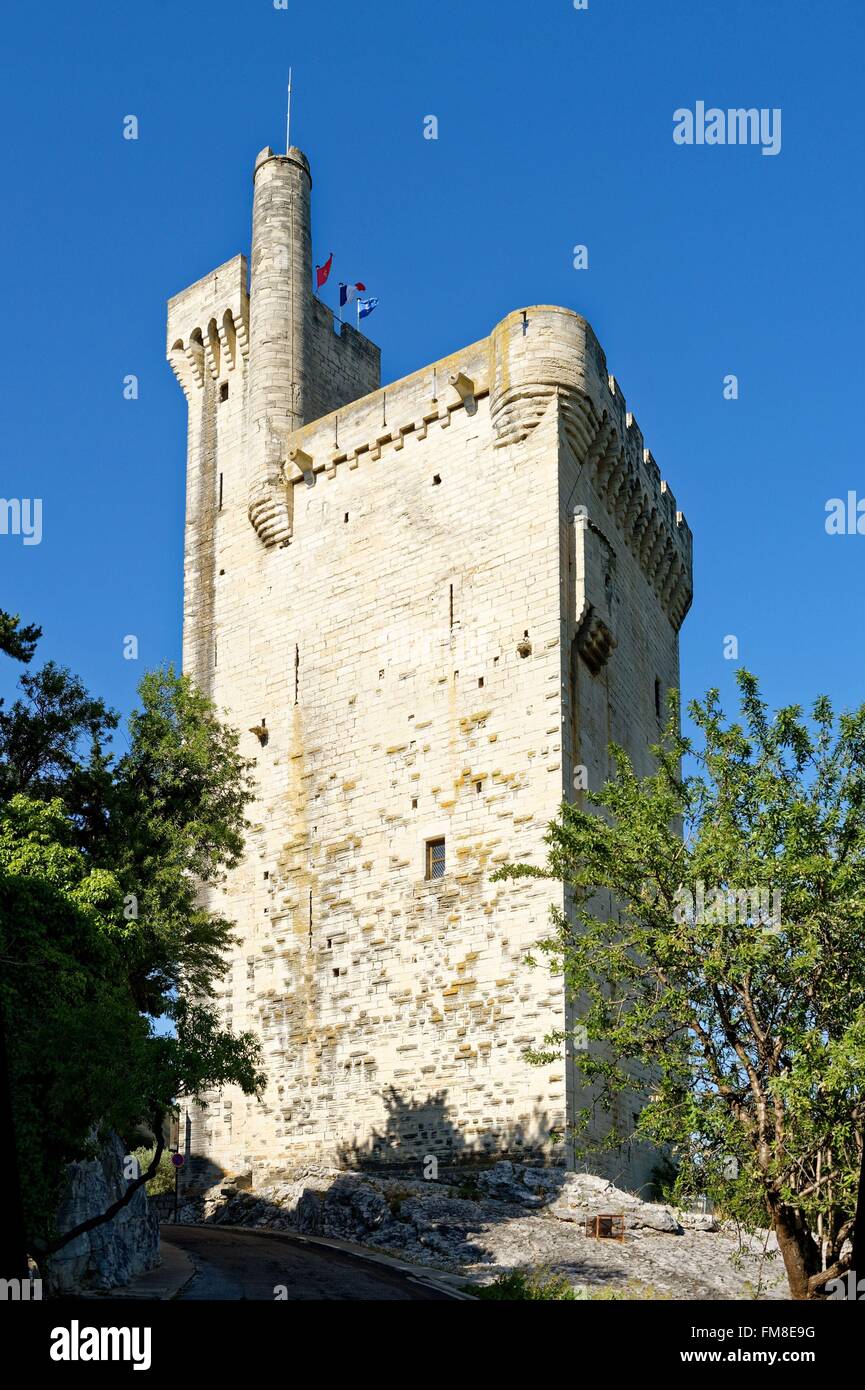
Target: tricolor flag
322,272
349,293
365,307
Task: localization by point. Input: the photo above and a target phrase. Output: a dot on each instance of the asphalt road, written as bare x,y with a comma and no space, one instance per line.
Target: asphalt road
232,1264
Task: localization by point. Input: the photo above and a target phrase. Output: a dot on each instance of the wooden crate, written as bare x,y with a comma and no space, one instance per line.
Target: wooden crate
606,1226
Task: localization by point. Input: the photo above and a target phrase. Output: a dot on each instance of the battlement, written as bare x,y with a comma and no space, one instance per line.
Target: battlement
549,352
345,363
208,326
314,395
534,357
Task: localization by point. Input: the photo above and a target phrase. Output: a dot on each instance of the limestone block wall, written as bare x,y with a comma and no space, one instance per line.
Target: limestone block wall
345,364
208,348
625,567
403,652
620,656
424,606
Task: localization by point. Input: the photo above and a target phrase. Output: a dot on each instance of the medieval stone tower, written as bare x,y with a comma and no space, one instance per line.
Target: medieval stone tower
425,607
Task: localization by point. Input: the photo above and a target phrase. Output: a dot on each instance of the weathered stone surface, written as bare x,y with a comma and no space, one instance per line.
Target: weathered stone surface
424,608
652,1218
583,1195
501,1182
530,1187
352,1206
697,1220
430,1224
111,1254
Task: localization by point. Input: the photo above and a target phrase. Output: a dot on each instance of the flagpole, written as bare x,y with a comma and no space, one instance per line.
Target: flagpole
358,313
288,117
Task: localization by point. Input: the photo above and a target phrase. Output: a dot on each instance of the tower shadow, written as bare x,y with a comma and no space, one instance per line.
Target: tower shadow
415,1130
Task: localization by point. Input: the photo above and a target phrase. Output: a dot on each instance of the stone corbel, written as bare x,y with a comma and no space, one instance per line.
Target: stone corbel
300,464
595,642
271,511
465,389
195,358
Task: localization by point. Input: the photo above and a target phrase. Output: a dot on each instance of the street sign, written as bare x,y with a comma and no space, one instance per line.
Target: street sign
178,1160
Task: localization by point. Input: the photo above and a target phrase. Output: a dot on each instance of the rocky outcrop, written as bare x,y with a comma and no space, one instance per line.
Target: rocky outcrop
426,1221
401,1212
584,1196
697,1220
117,1251
508,1216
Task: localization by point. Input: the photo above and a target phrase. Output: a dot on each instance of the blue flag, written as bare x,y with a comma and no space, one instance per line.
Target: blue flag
366,307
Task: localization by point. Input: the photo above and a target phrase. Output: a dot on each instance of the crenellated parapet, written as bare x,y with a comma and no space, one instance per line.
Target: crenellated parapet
310,388
533,358
426,400
365,431
208,327
546,353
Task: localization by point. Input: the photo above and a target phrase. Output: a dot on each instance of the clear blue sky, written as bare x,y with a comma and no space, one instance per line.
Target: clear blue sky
555,128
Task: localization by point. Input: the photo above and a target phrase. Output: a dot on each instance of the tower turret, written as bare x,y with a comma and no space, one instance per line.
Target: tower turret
280,309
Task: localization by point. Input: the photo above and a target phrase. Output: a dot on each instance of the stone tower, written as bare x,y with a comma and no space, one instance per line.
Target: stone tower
426,607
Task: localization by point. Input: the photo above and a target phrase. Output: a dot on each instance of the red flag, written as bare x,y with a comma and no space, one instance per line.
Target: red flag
322,272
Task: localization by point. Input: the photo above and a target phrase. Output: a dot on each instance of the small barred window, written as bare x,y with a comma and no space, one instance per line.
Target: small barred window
435,858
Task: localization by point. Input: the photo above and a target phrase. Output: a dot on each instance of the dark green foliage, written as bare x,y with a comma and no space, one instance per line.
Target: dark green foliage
755,1028
77,1045
164,1180
101,929
525,1284
663,1180
17,641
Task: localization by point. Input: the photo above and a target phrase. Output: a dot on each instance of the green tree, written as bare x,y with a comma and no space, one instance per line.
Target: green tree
20,644
168,815
176,821
748,1008
101,924
17,641
78,1046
